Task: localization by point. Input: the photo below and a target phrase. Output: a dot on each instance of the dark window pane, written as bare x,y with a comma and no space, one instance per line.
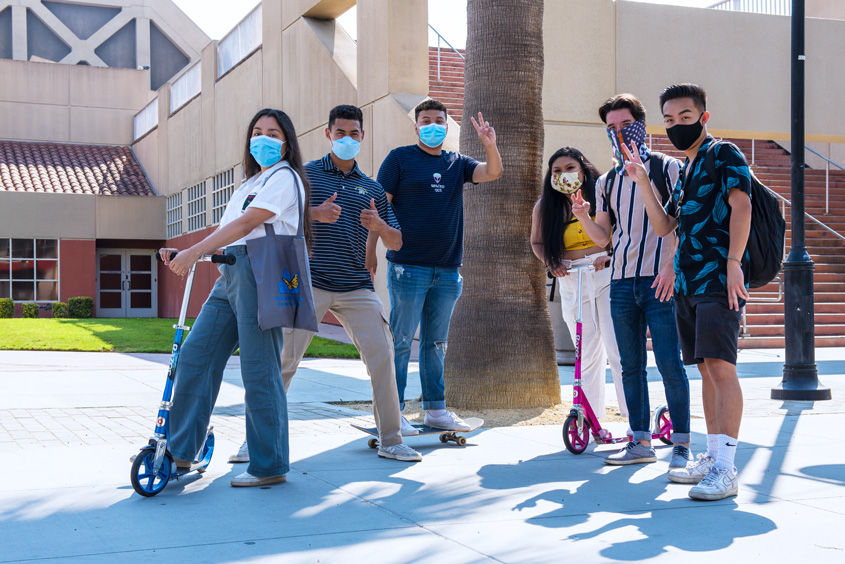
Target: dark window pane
5,273
46,248
5,289
23,291
141,282
22,248
110,300
47,291
141,300
110,281
4,248
47,270
140,262
110,262
23,270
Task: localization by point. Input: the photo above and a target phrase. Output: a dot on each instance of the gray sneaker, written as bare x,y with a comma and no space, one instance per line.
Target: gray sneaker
634,453
400,452
693,472
719,483
447,421
680,457
242,455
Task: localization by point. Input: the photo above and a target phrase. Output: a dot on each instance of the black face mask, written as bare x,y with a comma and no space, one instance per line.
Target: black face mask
684,136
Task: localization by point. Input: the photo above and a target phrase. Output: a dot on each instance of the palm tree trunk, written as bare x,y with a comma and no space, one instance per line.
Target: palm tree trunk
501,346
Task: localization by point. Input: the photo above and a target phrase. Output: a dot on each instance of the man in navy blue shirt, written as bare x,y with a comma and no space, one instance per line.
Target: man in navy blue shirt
351,208
713,218
425,185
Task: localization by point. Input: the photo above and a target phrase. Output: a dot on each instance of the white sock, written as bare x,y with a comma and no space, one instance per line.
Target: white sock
436,412
712,446
727,452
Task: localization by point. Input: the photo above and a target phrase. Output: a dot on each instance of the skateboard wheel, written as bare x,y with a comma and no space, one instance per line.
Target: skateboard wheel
462,441
372,443
444,438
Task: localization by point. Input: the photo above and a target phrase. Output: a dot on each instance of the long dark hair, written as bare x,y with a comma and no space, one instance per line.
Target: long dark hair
556,208
293,156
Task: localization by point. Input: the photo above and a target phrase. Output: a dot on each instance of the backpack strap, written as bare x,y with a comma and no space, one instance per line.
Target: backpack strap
609,181
656,175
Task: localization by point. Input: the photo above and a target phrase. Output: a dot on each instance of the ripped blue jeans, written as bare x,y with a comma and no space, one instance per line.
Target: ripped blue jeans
424,297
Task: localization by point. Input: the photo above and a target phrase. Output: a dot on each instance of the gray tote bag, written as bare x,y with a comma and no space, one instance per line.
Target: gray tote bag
283,276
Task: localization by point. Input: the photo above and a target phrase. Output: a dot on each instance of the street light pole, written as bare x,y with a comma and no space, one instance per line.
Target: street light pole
800,375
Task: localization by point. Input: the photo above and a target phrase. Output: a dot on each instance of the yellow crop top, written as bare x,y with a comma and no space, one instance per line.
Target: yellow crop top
575,238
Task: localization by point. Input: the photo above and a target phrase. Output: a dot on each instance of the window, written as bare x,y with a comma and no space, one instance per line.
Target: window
186,87
29,269
174,215
196,207
222,188
240,42
146,119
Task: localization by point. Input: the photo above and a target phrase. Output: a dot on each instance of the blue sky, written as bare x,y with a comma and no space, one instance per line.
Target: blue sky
217,17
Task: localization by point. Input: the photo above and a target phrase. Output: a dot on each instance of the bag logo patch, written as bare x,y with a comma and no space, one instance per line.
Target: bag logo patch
289,290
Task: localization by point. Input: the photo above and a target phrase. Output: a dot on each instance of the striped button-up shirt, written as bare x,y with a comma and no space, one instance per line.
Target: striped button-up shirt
637,249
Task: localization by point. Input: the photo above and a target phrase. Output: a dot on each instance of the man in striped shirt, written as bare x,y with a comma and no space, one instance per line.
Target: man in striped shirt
347,207
425,185
642,284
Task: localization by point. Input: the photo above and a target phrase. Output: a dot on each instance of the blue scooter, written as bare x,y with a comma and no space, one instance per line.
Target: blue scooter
153,467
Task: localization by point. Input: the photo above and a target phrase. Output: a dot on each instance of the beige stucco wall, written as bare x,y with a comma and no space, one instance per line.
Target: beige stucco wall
130,217
70,103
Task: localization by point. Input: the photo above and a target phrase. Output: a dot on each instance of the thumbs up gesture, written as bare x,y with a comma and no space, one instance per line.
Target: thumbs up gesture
371,219
327,212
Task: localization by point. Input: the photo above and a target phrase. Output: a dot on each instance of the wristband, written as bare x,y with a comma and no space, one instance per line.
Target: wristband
736,259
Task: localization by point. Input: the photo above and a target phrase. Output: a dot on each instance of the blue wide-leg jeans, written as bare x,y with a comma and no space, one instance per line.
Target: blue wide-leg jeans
229,319
424,297
635,307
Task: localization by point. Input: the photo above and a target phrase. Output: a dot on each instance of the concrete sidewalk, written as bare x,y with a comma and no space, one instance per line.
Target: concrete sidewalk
68,422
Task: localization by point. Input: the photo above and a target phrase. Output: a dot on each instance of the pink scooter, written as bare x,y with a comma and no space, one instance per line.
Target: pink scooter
582,420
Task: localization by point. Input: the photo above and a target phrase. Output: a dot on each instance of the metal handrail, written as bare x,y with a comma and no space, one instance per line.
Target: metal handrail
744,332
785,202
773,7
827,164
439,37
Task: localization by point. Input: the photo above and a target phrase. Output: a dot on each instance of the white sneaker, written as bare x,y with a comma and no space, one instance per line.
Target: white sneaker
399,452
719,483
242,455
247,480
694,471
448,422
407,429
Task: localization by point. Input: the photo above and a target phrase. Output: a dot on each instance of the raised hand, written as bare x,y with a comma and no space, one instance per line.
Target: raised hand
634,164
486,133
371,219
327,212
580,206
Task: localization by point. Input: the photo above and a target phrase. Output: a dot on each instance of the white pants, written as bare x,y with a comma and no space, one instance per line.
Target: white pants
598,340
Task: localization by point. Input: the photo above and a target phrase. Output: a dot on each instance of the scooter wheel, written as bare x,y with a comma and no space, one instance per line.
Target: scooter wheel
146,482
664,425
575,442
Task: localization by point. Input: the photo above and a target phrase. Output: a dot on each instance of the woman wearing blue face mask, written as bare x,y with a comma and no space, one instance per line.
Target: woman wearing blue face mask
229,318
560,227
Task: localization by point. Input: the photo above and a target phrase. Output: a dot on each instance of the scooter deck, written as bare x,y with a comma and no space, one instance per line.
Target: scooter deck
445,435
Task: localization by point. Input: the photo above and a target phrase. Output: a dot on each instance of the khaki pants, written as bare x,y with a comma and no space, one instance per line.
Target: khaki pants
361,314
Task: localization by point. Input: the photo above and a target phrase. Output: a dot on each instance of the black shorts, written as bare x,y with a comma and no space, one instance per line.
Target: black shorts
707,328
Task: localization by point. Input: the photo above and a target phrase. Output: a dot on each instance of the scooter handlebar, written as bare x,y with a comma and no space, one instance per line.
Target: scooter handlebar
217,259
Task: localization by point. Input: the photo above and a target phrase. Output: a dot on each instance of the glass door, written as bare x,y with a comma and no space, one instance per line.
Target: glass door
126,283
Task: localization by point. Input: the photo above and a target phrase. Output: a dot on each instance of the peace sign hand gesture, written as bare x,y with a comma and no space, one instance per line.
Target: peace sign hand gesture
580,206
486,133
634,164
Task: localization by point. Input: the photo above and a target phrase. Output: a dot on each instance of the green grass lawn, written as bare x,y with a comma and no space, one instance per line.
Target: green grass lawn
118,335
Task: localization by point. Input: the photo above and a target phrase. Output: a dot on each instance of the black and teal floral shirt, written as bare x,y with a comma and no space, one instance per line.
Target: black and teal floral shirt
704,220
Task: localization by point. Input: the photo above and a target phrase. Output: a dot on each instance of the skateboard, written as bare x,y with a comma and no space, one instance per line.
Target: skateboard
445,436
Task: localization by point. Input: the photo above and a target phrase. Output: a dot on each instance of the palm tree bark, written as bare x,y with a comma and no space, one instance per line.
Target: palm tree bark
501,345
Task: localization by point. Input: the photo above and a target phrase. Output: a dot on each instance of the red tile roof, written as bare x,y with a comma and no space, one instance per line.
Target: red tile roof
66,168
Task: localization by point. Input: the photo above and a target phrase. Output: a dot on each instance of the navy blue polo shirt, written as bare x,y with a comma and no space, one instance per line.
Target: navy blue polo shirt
339,249
428,201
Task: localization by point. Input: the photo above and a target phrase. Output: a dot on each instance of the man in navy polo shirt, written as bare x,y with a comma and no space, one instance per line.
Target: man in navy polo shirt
351,207
425,185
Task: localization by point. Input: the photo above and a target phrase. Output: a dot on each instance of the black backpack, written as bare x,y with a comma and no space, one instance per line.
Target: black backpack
655,174
768,228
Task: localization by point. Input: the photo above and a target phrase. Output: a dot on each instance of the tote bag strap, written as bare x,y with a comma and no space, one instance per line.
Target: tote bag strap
300,231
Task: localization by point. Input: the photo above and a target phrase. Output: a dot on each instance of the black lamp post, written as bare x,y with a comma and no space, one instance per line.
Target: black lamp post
800,376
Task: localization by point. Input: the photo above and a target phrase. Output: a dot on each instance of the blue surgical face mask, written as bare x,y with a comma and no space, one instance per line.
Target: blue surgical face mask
433,135
267,151
346,148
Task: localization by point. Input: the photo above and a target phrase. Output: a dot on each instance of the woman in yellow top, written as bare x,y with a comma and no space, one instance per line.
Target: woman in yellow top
560,241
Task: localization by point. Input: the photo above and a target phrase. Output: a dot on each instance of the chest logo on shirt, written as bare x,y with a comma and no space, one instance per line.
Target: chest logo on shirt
361,190
248,201
437,186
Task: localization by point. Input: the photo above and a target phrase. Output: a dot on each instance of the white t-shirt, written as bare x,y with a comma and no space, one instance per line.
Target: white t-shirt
277,195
